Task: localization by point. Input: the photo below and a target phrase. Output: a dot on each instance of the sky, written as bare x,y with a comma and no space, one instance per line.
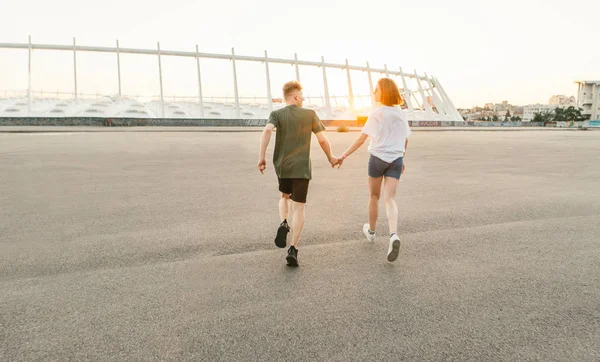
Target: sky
522,51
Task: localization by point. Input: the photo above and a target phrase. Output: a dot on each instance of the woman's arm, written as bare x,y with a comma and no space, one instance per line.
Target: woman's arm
404,156
355,146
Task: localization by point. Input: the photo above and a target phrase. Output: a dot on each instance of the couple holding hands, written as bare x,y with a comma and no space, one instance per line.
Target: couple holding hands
388,130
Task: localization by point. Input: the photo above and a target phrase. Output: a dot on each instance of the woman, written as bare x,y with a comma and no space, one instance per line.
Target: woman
388,129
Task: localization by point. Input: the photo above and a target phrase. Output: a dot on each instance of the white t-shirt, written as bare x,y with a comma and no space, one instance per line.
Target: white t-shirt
388,129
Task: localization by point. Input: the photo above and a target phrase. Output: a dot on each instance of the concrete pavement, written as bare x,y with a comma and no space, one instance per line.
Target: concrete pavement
158,246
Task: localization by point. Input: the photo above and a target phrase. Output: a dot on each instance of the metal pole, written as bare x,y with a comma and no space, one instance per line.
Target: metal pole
443,97
428,111
457,116
387,74
407,96
350,92
439,103
235,85
162,99
371,85
441,107
119,68
326,88
75,68
29,79
191,54
270,97
296,64
199,84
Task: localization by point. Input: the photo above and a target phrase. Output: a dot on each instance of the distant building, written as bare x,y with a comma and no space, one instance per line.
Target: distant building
588,98
529,111
517,111
500,108
561,100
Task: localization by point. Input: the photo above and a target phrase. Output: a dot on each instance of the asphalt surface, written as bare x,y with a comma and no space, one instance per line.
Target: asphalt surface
159,246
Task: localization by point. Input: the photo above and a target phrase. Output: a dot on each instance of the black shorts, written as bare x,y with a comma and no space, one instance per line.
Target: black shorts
297,187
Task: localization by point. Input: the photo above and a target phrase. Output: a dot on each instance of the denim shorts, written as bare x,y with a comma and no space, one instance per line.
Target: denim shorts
379,168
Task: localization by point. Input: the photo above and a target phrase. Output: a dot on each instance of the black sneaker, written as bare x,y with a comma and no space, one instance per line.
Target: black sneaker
281,238
292,256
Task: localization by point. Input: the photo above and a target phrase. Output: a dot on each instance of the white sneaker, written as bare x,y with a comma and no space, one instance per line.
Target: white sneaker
394,248
370,237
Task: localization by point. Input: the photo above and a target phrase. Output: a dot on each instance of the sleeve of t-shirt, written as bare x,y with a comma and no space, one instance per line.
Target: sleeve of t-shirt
273,119
317,125
371,127
408,131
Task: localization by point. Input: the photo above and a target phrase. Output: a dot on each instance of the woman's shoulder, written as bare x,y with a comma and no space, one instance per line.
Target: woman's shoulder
393,112
376,112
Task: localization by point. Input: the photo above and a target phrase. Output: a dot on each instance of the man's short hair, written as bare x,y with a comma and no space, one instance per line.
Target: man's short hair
290,87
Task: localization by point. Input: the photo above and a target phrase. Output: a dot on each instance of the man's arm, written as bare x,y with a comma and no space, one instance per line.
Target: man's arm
326,147
264,143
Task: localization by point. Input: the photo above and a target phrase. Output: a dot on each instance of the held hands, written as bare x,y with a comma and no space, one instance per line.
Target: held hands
336,161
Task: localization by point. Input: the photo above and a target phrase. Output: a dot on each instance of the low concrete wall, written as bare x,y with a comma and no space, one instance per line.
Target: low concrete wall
51,121
130,122
337,123
593,124
182,122
472,124
569,124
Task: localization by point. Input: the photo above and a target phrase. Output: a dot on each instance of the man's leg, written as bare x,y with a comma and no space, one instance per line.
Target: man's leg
285,187
297,225
297,222
284,207
300,190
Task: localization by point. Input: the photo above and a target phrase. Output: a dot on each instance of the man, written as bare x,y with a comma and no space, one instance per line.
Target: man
291,159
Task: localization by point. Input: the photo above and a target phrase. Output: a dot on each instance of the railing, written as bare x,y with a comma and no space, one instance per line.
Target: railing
433,98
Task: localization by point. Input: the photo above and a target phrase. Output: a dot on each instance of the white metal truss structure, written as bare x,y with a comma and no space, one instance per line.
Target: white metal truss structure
426,99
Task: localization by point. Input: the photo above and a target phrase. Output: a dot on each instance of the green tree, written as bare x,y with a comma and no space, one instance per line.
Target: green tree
569,114
573,114
543,117
515,119
507,116
495,118
559,115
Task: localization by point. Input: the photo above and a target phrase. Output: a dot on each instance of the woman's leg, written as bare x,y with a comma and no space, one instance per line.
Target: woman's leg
374,194
389,197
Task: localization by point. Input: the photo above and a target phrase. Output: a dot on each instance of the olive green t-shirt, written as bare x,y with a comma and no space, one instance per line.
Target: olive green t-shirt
295,126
